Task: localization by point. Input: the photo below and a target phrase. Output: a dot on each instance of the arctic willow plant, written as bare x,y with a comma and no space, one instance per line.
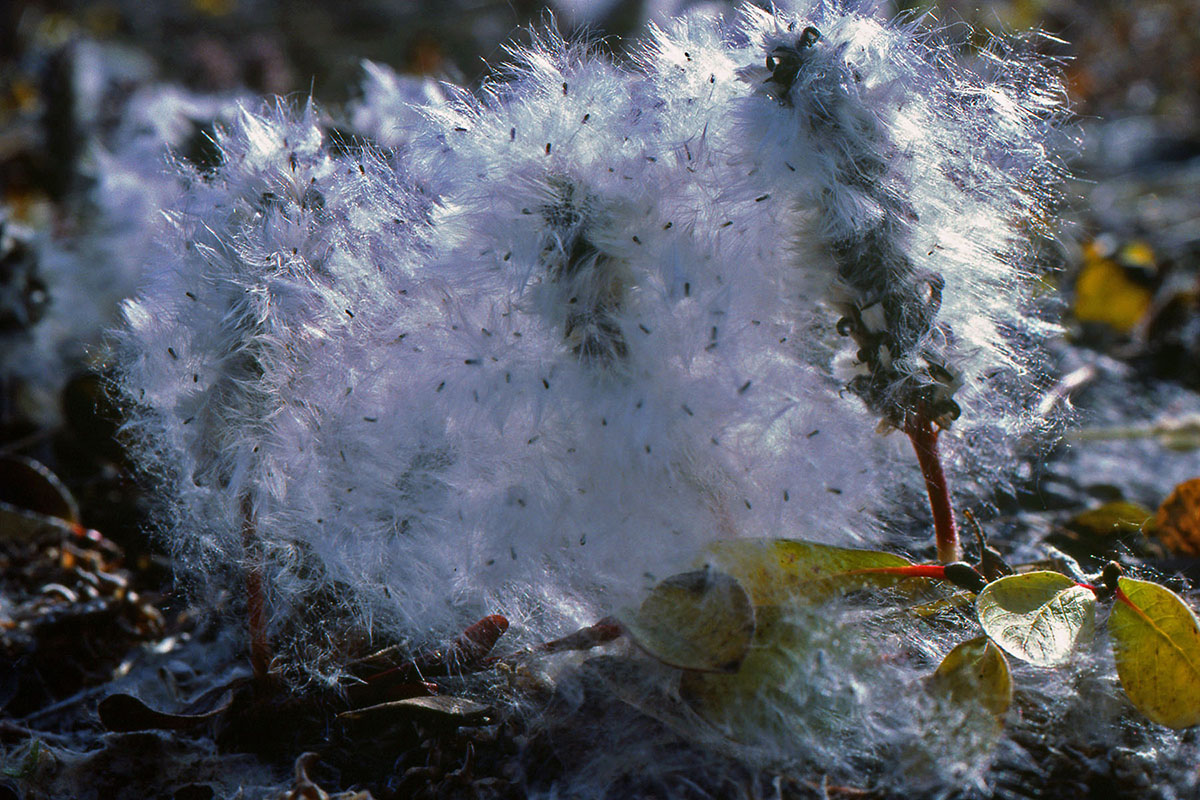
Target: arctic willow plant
574,327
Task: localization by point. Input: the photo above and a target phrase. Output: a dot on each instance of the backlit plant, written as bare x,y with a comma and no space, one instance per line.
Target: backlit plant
532,348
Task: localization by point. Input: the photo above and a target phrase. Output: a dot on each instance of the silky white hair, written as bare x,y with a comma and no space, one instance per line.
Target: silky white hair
535,347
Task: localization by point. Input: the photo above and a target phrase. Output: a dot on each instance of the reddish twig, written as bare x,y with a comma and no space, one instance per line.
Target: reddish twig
924,437
602,632
935,571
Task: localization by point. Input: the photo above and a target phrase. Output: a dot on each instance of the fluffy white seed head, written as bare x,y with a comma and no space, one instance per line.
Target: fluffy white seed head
596,334
257,316
390,108
917,191
618,337
478,393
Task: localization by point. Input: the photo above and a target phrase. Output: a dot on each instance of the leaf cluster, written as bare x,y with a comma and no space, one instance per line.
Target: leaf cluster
728,627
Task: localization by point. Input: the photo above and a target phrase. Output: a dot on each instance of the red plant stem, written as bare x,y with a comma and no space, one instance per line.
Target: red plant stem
1117,593
924,437
936,571
1125,599
256,598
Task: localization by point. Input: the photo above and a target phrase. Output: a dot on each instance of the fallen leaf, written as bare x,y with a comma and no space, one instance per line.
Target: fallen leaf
123,713
438,710
1104,293
602,632
1177,524
1112,519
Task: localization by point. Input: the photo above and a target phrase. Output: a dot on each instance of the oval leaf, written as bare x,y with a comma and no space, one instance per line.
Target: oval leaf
124,713
700,620
1156,644
756,701
776,571
1117,518
1037,617
976,672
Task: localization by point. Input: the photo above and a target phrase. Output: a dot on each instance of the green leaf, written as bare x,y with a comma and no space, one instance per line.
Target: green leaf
700,620
809,675
1156,644
760,700
976,672
778,571
1117,518
1037,617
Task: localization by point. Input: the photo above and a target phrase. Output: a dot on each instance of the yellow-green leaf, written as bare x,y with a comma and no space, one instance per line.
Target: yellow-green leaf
777,571
943,604
701,620
1111,519
1156,644
1104,293
976,672
758,700
1037,617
